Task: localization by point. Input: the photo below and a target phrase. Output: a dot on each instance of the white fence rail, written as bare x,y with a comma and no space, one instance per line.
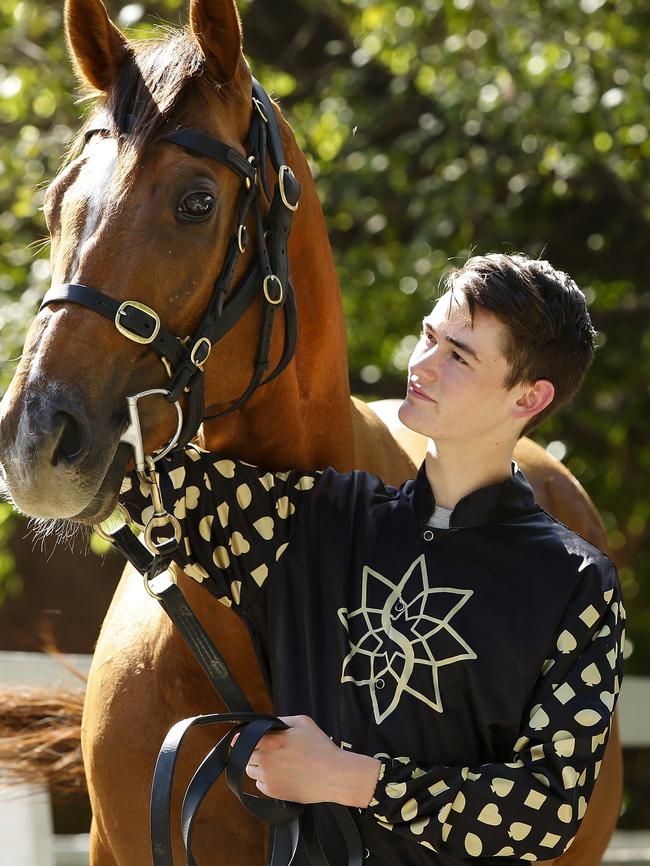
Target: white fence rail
26,836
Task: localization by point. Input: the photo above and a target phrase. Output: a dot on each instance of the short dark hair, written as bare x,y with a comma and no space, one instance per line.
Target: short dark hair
550,334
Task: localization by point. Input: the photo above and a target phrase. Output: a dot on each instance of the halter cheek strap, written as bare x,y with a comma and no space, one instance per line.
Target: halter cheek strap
267,279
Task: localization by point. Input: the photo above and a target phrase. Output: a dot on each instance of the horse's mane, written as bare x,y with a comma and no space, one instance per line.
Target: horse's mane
152,82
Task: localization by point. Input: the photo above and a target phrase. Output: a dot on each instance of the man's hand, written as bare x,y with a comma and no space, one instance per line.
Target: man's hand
303,765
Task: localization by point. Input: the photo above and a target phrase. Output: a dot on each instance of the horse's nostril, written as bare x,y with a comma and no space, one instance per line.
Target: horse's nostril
72,445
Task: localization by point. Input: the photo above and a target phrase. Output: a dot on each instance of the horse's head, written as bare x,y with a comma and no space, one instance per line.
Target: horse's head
137,217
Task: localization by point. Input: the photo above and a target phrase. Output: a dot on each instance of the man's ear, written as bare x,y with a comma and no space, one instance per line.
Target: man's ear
216,27
533,398
96,45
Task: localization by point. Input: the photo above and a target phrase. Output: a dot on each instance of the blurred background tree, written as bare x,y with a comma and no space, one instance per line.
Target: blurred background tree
434,129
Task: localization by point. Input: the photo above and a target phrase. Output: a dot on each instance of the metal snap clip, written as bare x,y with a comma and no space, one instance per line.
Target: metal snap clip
400,606
161,519
428,535
152,537
379,684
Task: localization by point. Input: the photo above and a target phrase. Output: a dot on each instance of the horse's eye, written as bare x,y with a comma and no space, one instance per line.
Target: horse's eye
195,206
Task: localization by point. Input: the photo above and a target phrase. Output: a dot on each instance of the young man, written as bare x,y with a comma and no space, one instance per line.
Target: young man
447,655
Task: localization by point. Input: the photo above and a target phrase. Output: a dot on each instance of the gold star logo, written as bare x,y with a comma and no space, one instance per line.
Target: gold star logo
407,629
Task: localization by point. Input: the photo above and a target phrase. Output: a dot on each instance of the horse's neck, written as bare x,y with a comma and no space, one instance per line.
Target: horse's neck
302,418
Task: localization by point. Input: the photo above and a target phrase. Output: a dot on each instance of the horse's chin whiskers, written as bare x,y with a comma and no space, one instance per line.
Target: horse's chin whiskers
64,532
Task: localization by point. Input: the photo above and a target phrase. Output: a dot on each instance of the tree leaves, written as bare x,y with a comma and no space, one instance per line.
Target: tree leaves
434,129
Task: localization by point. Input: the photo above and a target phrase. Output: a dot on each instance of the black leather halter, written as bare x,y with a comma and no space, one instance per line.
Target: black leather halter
267,278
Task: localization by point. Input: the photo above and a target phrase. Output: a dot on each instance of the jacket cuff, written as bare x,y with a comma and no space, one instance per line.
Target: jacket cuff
380,794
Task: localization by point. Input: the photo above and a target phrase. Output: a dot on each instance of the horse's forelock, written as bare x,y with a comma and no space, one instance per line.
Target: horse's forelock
149,86
146,94
149,89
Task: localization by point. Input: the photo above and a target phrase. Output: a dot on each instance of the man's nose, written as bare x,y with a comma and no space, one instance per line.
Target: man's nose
426,364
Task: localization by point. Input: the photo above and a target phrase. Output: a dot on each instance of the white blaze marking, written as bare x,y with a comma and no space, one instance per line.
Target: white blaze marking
96,176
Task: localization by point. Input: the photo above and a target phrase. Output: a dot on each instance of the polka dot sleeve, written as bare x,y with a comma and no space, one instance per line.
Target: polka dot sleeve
531,806
237,520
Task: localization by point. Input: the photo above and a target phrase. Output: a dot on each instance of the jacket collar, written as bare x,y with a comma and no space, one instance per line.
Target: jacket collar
492,504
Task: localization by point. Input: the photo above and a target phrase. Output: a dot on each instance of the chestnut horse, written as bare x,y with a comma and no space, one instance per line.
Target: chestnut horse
112,216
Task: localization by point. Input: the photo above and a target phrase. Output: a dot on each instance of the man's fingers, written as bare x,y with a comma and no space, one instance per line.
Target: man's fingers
236,737
253,771
295,721
272,740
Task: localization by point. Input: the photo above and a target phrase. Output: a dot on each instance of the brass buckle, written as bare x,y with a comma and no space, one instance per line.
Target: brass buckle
129,334
241,238
265,287
283,170
195,347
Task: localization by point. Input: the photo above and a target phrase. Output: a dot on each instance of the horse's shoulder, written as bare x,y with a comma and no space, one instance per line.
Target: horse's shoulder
377,448
559,492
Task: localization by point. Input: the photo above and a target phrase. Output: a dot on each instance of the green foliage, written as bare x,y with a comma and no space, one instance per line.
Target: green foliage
10,582
37,118
434,128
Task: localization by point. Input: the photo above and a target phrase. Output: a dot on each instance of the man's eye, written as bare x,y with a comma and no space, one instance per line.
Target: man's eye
457,357
195,206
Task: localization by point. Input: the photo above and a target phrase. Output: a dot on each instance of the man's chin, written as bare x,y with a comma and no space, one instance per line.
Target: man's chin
403,411
410,417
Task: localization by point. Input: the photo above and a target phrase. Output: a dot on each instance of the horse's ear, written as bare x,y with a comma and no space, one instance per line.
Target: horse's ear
217,29
96,45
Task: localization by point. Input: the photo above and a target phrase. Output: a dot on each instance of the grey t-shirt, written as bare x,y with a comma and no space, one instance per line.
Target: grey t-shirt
440,517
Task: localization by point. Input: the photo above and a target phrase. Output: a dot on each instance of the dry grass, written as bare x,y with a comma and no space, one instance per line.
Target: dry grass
40,738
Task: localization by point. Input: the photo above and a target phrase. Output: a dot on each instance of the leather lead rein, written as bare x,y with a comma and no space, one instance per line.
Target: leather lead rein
294,827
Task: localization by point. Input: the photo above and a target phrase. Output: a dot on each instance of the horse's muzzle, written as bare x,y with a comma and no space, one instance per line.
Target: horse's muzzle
52,467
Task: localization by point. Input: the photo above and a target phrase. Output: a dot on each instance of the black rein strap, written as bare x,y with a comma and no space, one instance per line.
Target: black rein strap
293,826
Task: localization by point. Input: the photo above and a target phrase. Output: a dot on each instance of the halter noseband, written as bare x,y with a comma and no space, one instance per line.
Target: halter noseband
267,276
